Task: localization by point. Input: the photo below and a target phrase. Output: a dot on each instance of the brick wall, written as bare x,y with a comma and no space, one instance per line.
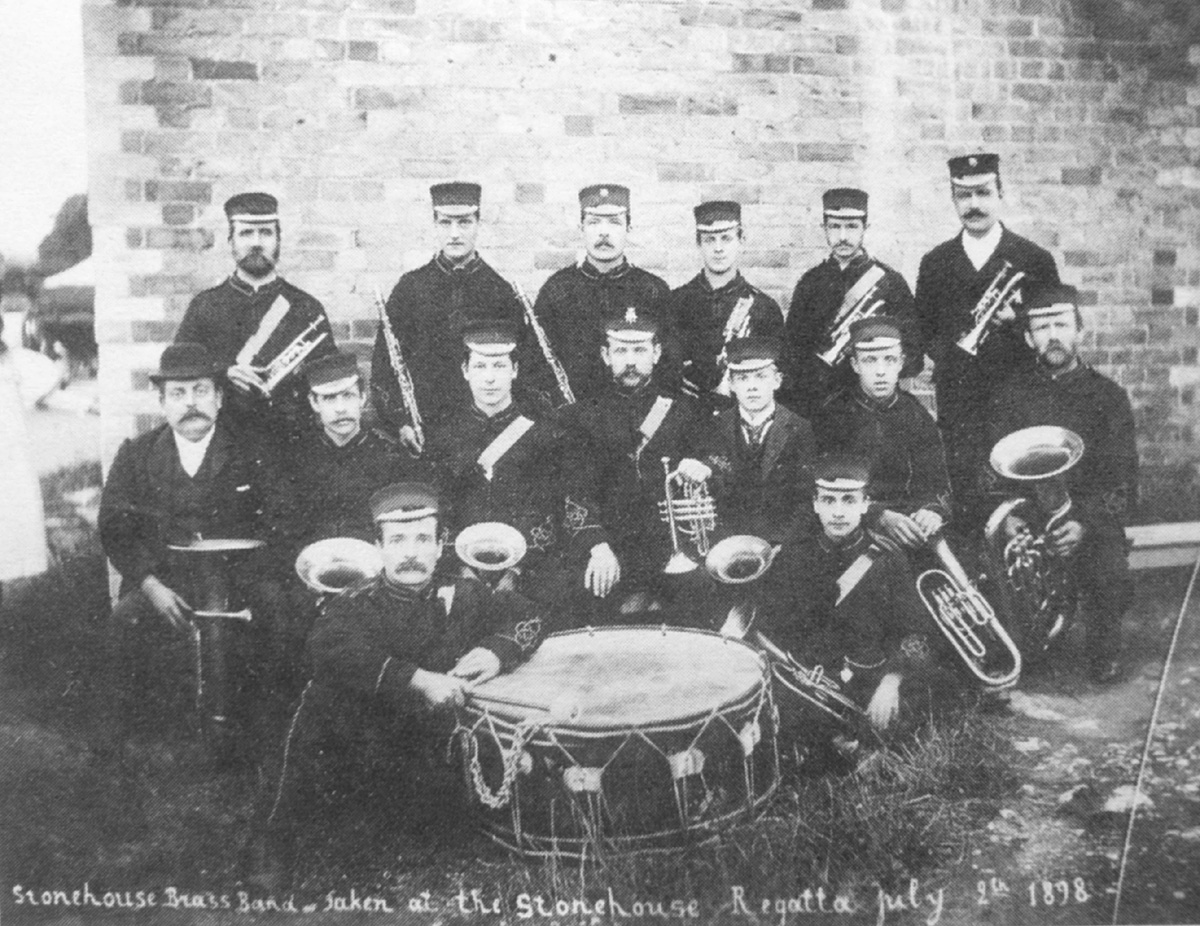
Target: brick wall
349,109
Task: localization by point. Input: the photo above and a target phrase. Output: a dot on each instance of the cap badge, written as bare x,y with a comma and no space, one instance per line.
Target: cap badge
973,162
631,315
604,192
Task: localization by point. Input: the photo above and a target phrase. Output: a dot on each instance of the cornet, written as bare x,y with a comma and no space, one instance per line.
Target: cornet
694,516
291,356
1001,293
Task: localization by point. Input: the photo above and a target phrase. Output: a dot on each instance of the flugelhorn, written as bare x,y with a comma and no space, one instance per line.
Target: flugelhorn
968,621
332,565
1001,293
694,515
292,356
1035,587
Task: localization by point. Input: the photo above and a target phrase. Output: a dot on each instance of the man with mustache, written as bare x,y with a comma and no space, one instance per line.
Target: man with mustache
574,302
187,478
616,442
249,320
501,459
365,761
849,283
324,488
718,305
428,310
968,289
1060,389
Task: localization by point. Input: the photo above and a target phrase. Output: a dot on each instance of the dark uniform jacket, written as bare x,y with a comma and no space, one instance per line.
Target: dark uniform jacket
948,289
818,295
149,502
880,626
760,490
901,442
526,488
608,456
224,318
572,307
701,314
324,490
428,309
1103,485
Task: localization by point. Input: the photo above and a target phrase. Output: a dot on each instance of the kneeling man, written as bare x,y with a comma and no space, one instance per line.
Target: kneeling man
392,656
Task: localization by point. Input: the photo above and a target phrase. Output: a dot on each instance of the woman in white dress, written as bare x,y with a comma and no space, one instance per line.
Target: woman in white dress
22,521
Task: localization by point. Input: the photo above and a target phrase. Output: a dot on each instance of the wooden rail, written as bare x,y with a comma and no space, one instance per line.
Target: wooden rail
1164,546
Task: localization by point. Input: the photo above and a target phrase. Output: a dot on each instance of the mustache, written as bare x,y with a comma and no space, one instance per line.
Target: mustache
411,564
195,415
974,214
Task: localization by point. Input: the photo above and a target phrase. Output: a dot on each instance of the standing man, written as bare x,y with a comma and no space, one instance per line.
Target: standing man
968,289
889,428
501,459
1060,389
758,454
186,479
847,285
259,328
617,441
428,309
575,301
392,657
718,305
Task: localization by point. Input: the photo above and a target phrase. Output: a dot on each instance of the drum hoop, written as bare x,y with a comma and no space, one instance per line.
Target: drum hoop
509,717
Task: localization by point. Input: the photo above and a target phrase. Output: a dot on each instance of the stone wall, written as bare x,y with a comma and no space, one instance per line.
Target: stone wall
349,109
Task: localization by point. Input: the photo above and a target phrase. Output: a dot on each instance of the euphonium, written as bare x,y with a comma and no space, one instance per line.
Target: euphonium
968,621
490,546
292,356
330,566
1036,588
694,516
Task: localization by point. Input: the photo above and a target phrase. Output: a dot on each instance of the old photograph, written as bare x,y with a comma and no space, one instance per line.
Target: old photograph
600,461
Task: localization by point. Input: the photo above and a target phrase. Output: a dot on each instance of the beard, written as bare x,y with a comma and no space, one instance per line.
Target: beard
258,263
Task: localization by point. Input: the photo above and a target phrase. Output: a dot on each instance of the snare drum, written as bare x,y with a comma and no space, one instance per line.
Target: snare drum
621,739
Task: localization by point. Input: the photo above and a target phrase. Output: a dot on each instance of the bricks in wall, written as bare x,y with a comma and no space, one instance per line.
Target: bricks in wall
349,110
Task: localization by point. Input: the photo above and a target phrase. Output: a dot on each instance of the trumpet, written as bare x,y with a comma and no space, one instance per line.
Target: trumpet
968,621
331,566
291,356
1001,293
1036,588
694,516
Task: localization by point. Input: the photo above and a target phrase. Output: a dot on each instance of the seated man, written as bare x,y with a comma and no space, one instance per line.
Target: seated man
500,459
325,487
757,456
181,481
890,428
832,599
366,751
1090,540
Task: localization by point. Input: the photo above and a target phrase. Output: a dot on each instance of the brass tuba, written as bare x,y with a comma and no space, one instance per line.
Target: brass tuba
694,515
968,621
1036,589
490,546
739,559
331,566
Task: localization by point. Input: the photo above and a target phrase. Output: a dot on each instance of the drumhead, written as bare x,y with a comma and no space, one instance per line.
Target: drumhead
624,677
217,545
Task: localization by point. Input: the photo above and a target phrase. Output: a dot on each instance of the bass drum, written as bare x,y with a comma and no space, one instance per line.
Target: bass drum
621,739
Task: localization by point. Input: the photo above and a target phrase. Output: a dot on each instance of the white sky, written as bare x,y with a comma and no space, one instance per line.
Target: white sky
43,157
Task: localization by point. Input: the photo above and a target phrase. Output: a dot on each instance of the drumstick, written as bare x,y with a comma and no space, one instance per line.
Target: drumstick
561,708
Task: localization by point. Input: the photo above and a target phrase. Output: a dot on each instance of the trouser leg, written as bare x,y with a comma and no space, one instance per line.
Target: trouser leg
1106,590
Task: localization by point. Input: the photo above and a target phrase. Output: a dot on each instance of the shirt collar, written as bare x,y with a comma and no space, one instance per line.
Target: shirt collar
849,545
406,593
353,442
249,289
759,420
874,404
501,417
734,282
192,453
592,272
857,261
447,266
980,250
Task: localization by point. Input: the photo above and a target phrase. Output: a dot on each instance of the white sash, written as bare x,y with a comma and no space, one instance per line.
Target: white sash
262,334
502,444
854,572
653,421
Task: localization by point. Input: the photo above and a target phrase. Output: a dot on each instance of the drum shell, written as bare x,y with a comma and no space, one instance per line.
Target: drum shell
661,784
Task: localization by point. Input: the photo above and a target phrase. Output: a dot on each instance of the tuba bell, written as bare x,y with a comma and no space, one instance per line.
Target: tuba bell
694,516
968,621
490,546
1035,587
739,559
330,566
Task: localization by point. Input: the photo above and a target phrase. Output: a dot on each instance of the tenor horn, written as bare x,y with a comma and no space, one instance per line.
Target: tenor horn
968,621
739,559
694,515
331,566
490,546
1036,588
